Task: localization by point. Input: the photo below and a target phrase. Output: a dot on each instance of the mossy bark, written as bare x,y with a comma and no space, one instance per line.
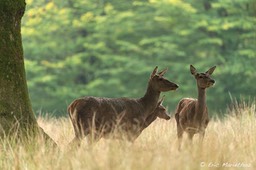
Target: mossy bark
16,115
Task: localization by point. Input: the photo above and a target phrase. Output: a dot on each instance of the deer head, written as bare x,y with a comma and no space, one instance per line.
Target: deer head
203,79
159,83
161,111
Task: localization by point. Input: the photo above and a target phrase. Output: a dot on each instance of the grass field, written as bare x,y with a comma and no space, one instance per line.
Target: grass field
230,143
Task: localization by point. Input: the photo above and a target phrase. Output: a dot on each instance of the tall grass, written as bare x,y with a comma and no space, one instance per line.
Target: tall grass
230,143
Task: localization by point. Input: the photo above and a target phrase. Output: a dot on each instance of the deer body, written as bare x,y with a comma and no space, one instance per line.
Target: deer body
192,114
99,116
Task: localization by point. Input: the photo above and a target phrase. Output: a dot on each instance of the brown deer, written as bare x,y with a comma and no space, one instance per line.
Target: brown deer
98,116
159,112
192,114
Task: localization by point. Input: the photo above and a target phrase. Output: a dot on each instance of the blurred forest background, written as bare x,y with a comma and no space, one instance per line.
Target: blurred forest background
108,48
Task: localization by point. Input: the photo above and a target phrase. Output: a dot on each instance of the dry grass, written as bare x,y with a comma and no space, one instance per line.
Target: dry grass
229,143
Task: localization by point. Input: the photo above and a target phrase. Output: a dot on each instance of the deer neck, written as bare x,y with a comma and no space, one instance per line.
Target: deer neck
201,103
150,119
150,100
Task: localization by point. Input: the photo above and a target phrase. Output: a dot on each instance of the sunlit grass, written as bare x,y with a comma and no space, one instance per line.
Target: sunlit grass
230,143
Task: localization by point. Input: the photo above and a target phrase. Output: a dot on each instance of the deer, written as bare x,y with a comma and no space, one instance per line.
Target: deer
160,112
97,117
192,114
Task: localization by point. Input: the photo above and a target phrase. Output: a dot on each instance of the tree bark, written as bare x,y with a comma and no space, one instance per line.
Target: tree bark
16,115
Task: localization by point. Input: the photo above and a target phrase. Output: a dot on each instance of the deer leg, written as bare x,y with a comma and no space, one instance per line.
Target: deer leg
190,136
180,131
78,138
80,133
190,139
201,137
94,135
179,134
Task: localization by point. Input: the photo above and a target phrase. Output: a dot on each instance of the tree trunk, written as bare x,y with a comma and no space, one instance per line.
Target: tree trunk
16,115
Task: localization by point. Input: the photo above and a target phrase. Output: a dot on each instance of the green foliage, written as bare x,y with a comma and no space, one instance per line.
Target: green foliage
109,48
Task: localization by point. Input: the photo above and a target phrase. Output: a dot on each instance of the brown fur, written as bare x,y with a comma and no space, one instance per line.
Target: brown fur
159,112
98,116
192,114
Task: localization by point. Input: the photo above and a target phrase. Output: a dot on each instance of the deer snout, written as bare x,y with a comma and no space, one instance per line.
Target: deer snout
169,86
174,86
164,115
212,81
168,118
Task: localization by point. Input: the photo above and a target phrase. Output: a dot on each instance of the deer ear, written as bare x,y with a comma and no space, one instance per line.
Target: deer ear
161,73
211,70
161,101
154,72
193,70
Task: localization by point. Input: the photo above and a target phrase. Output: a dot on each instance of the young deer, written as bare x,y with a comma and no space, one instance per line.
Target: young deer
159,112
98,116
192,114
